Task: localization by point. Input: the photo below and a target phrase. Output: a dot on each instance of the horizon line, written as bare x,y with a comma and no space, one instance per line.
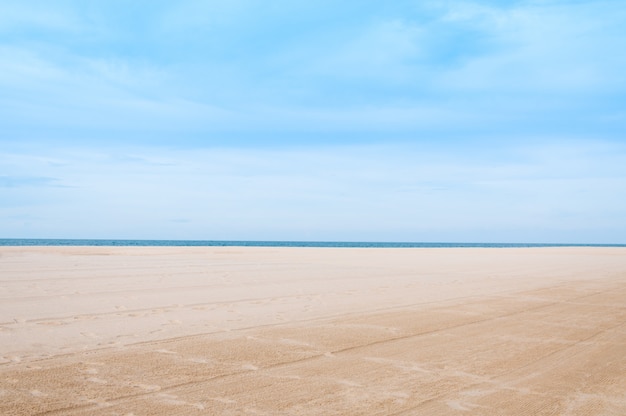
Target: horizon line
281,243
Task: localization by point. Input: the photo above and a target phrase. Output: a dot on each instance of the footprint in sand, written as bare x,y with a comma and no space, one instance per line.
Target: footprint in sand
289,377
90,371
348,383
52,323
223,400
147,387
92,363
97,380
164,351
84,317
200,361
171,399
459,405
102,403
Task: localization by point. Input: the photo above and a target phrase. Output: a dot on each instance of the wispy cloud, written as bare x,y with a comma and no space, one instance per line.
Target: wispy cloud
372,191
469,63
26,181
562,47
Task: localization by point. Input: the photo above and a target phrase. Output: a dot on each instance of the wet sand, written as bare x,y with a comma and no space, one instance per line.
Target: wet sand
312,331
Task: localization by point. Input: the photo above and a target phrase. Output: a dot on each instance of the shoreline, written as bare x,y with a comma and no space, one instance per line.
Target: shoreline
68,242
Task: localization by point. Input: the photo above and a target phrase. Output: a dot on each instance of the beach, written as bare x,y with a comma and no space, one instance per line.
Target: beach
312,331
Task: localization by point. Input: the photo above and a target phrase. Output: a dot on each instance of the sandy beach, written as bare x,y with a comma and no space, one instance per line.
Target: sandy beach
312,331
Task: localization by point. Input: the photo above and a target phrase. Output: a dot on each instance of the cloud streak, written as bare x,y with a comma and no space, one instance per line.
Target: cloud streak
461,60
403,192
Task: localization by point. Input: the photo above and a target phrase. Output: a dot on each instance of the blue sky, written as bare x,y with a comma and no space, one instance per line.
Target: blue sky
357,120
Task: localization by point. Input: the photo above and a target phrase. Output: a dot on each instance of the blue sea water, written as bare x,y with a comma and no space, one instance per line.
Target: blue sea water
217,243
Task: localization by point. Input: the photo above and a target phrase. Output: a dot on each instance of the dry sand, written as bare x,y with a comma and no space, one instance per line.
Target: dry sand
312,331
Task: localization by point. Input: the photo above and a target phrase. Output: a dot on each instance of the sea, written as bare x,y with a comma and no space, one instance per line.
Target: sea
235,243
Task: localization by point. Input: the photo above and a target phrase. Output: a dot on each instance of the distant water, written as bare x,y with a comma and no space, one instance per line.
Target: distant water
216,243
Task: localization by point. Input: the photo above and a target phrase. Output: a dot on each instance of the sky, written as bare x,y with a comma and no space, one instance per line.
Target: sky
411,120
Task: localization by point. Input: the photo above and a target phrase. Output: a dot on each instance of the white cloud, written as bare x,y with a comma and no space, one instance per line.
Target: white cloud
110,94
331,192
551,47
462,66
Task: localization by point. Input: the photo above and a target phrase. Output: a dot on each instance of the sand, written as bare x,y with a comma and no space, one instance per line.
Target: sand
312,331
